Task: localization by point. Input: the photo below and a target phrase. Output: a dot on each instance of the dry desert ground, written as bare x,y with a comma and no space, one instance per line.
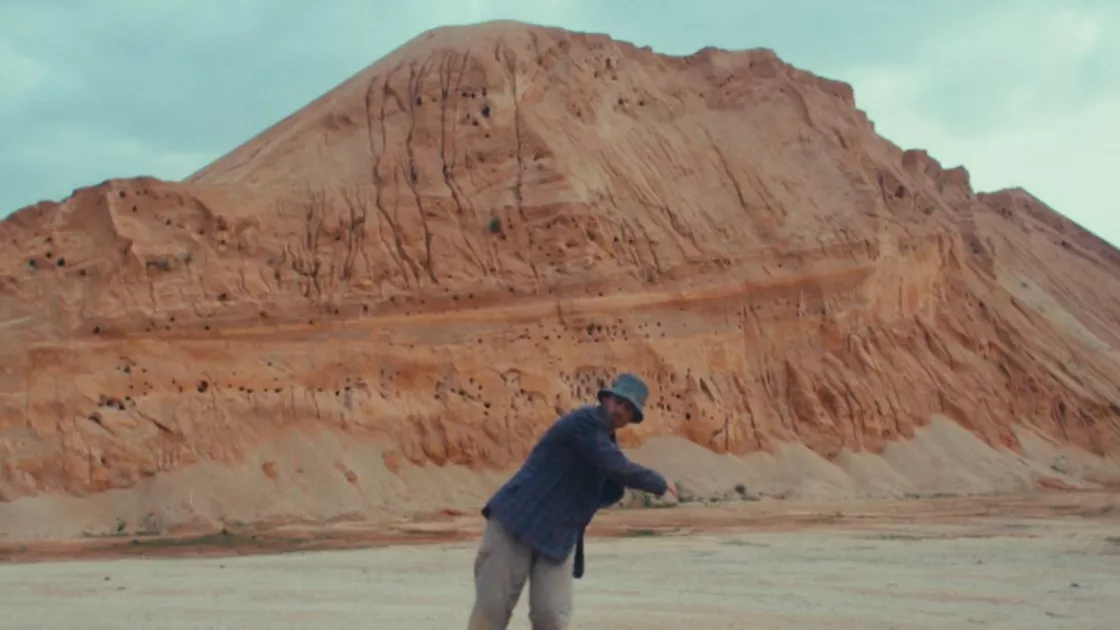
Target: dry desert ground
1048,560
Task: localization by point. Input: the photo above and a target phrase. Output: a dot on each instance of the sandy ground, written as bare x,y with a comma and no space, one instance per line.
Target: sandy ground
1040,561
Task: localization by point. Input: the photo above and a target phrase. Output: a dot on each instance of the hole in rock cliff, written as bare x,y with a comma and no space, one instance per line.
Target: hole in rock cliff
474,122
641,103
49,255
61,262
167,222
419,100
203,386
485,111
206,327
97,330
32,263
900,192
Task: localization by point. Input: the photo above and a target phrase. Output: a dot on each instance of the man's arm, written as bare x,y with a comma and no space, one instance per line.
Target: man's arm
593,442
611,493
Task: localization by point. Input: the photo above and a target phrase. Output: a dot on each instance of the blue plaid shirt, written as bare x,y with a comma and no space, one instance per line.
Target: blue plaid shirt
575,469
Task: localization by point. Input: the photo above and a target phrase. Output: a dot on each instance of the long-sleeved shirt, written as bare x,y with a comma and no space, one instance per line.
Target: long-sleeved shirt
566,478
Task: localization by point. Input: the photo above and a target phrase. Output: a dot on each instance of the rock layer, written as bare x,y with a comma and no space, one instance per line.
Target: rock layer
471,234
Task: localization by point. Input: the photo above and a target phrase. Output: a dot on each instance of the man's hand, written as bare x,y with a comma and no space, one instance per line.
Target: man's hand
670,492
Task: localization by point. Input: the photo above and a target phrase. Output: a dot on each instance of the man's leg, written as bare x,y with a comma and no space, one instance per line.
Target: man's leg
500,570
551,593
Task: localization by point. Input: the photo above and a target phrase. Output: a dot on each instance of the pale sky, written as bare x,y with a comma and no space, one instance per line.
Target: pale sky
1022,92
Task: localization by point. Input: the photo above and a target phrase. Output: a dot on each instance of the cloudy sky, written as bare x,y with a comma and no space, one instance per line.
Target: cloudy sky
1022,92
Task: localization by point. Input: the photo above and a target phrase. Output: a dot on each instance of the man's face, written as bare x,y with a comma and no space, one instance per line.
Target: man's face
619,410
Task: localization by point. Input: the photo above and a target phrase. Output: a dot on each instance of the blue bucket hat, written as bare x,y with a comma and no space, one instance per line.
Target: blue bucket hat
632,389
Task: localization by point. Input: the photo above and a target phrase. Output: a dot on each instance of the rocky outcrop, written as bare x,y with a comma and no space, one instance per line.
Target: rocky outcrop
467,237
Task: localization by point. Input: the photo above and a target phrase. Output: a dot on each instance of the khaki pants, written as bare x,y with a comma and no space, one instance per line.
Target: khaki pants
501,567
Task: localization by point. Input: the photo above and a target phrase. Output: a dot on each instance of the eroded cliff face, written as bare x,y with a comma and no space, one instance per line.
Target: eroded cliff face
467,237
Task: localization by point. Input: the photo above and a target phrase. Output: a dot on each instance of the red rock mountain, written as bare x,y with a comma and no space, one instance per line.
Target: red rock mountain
406,280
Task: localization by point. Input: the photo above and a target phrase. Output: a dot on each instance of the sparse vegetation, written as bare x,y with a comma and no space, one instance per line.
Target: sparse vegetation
149,540
685,495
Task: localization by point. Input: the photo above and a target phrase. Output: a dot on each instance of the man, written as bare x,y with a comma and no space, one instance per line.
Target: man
535,522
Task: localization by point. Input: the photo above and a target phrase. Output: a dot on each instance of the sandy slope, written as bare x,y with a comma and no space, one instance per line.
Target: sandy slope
944,459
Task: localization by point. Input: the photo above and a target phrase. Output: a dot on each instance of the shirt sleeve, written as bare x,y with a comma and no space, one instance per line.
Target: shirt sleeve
611,493
594,444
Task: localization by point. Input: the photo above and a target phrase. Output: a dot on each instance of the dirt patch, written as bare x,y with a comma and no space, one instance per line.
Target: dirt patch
884,518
